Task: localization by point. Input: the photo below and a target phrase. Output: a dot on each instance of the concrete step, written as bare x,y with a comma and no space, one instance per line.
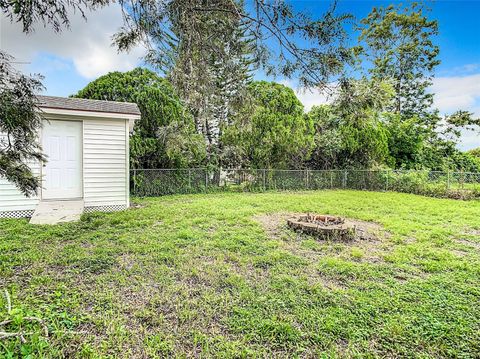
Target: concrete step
53,212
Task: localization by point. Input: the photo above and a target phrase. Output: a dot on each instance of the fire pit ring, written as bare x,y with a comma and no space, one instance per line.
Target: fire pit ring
323,226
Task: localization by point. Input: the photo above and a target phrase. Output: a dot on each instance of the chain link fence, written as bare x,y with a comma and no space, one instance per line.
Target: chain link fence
159,182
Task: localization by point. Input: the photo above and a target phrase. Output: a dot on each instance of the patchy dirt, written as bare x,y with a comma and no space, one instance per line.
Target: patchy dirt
126,261
136,205
470,243
473,232
275,224
370,240
157,224
470,238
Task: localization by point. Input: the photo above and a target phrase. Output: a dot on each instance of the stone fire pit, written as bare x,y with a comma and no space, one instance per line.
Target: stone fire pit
323,226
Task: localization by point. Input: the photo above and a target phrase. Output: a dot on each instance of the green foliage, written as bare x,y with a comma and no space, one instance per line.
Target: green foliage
397,41
397,46
207,49
475,152
462,161
328,141
406,138
350,133
365,145
456,185
20,122
414,145
272,131
448,184
165,136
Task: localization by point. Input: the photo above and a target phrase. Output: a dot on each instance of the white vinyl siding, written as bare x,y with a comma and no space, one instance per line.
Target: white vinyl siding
11,199
104,169
105,162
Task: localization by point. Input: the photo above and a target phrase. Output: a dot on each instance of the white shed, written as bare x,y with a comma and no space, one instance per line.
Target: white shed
86,143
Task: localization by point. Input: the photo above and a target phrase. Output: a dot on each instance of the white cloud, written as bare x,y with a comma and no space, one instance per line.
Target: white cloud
457,93
87,43
308,97
311,98
469,140
463,70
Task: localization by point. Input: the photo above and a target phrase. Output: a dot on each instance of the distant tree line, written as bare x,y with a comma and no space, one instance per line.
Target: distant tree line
208,111
271,129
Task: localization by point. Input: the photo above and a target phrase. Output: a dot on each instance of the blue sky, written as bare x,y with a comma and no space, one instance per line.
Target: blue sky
458,29
72,59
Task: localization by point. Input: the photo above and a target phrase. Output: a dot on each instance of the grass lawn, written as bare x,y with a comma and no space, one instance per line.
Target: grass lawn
213,276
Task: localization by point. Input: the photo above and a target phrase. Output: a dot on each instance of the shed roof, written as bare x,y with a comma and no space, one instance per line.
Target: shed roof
80,104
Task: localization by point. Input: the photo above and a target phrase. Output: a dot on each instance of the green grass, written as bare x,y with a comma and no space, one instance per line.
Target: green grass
199,276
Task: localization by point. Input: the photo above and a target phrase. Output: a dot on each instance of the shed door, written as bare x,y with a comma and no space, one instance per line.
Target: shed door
62,173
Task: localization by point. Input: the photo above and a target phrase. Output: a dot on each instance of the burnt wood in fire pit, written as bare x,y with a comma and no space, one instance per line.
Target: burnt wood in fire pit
323,226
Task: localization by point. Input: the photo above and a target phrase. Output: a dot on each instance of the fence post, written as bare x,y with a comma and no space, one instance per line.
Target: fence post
134,182
345,179
264,179
307,186
331,179
386,182
448,179
206,180
189,179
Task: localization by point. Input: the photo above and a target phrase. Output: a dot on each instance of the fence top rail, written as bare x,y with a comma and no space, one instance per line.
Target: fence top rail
167,169
310,170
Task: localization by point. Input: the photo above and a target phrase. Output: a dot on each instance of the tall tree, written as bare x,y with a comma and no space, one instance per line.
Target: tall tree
165,136
350,132
211,72
275,27
275,134
406,141
398,42
443,135
207,48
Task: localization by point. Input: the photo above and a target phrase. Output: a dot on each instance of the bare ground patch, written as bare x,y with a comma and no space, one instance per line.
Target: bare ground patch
369,235
470,243
370,241
470,238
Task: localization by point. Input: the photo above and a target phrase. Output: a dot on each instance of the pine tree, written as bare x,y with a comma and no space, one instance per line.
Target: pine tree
399,44
211,70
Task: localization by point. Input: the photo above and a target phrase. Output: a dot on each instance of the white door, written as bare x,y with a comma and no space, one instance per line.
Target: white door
62,173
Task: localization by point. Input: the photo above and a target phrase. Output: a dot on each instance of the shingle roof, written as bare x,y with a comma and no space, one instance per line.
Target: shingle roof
81,104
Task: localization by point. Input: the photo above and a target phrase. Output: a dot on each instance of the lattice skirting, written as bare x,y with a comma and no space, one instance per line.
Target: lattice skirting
29,213
17,214
112,208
